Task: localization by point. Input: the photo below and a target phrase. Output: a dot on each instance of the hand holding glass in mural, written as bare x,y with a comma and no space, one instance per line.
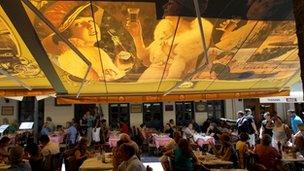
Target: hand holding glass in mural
124,60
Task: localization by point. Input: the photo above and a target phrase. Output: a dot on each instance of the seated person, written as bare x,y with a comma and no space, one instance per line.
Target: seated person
117,160
15,159
171,146
4,152
268,155
130,160
184,158
171,123
36,158
227,151
189,132
123,127
48,147
81,153
142,131
213,131
196,127
242,148
299,139
126,138
168,130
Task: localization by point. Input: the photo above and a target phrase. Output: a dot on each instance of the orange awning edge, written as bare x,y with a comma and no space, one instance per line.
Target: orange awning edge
24,92
173,97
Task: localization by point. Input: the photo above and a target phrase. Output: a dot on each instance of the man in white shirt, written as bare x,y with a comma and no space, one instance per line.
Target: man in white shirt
130,160
48,147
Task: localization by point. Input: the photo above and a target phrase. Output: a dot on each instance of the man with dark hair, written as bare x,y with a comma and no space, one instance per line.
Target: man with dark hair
130,160
48,147
295,120
247,125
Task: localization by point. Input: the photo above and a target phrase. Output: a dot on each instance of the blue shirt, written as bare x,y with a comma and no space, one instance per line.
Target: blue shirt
295,121
72,133
90,121
44,131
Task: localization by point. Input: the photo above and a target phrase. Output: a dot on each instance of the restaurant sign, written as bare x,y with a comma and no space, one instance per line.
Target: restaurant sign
286,99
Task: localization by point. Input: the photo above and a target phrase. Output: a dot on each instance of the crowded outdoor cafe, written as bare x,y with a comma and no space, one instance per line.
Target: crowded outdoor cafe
169,85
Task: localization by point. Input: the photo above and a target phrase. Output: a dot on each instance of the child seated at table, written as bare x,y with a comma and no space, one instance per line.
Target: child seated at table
242,149
227,151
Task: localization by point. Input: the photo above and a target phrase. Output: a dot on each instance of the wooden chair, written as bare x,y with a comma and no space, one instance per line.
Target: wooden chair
252,163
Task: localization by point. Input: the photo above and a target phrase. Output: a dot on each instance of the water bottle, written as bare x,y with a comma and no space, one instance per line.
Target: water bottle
103,156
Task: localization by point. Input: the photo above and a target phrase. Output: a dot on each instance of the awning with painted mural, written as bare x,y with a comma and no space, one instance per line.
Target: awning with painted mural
116,50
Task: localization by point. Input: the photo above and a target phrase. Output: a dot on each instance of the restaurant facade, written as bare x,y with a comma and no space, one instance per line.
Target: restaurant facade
137,113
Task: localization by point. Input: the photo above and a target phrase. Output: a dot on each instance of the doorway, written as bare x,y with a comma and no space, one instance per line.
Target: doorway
81,109
153,115
258,109
184,113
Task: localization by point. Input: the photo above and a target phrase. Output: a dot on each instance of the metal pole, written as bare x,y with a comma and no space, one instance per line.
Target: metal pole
36,113
15,79
201,66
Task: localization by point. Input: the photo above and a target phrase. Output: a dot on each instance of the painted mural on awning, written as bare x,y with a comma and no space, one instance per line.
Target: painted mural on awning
130,51
18,68
131,47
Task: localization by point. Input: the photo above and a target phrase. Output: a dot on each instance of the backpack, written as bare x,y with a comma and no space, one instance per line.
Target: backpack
244,125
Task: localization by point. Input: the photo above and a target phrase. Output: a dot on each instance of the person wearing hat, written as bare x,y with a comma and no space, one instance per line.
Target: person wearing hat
186,48
80,28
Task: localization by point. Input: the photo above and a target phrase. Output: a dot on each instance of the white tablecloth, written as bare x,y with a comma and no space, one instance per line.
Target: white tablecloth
161,140
201,139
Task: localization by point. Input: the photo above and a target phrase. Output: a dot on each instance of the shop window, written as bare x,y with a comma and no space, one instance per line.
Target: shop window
118,112
153,115
184,112
216,109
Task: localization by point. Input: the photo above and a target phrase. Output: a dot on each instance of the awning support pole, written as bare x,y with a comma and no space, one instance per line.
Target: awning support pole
298,11
15,79
201,66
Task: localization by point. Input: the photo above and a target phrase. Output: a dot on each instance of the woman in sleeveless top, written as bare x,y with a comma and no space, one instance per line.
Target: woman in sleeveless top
281,131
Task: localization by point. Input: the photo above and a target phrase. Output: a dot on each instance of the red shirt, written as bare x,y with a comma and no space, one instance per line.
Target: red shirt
268,156
124,128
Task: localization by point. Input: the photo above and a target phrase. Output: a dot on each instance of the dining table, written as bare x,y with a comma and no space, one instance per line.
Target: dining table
202,139
289,158
161,140
113,139
96,164
4,166
211,161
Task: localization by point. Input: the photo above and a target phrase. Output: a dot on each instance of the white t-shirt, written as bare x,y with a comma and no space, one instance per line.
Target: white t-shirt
96,134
